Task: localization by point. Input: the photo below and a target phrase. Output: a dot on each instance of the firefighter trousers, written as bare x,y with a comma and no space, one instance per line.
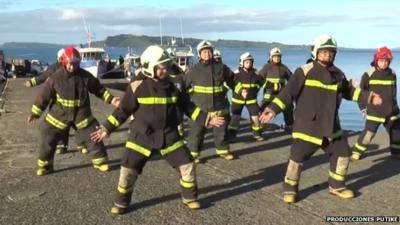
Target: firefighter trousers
197,133
63,142
51,135
338,151
371,127
135,158
236,110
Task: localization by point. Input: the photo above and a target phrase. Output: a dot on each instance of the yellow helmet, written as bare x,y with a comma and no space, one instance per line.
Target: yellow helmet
323,41
151,57
203,45
245,56
171,52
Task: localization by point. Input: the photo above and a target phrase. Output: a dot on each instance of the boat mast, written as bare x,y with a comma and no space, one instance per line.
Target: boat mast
161,41
183,40
88,33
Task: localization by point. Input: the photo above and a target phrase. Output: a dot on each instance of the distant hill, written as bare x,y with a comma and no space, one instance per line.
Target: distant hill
128,40
25,45
142,41
134,41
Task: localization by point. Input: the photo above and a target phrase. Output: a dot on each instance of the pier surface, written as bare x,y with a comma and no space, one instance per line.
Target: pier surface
247,190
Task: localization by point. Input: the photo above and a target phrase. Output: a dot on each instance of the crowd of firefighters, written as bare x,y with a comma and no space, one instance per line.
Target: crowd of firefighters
161,94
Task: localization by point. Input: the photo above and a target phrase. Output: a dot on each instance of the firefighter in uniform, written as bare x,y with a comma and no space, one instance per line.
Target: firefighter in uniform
153,100
318,88
217,55
62,145
176,76
205,82
251,82
276,75
381,79
67,95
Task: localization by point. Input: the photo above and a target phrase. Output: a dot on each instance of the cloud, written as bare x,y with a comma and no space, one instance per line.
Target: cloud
67,24
70,14
6,4
9,2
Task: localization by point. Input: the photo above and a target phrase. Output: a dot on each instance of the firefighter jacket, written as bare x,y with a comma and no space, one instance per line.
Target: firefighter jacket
276,77
205,83
154,105
384,84
35,81
67,95
317,92
249,81
176,77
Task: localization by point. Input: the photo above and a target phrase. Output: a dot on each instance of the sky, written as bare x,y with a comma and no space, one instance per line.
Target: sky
355,24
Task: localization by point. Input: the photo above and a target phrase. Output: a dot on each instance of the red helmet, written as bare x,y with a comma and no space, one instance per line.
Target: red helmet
383,52
70,55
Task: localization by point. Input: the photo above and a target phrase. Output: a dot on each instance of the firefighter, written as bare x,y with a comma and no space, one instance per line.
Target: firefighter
217,55
153,100
381,79
251,82
69,108
276,75
176,77
62,145
317,88
206,85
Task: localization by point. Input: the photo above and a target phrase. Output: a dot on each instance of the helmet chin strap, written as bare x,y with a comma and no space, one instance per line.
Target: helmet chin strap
329,63
69,72
206,61
326,64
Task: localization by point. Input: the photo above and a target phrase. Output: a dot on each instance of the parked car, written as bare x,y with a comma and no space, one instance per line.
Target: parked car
37,67
20,67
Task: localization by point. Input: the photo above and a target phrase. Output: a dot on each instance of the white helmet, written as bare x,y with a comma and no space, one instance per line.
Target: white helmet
217,54
245,56
59,54
203,45
170,52
323,41
275,51
151,57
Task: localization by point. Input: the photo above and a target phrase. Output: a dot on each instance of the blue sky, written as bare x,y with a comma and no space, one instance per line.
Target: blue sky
359,24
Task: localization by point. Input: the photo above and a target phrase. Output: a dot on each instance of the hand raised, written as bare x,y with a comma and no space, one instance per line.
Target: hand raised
376,99
116,101
99,134
216,121
267,115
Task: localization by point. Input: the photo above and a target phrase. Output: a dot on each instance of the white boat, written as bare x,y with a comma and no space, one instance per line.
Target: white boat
131,63
183,55
91,58
184,58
